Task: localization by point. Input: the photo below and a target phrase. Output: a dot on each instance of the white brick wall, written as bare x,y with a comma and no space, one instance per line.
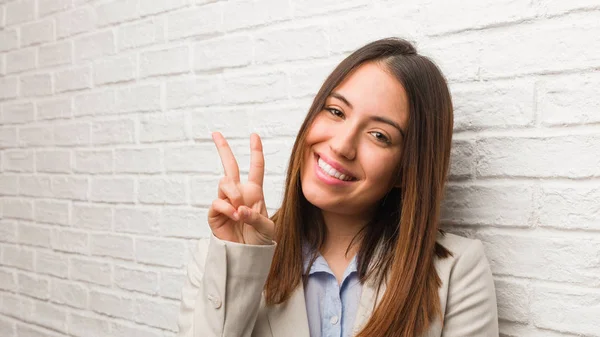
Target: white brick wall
107,168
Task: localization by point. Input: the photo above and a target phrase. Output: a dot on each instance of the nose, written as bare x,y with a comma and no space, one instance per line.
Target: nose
343,143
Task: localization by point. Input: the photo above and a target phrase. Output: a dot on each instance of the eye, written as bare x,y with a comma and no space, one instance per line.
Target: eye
335,112
381,137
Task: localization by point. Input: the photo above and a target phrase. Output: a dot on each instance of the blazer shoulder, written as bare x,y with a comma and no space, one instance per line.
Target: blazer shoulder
460,246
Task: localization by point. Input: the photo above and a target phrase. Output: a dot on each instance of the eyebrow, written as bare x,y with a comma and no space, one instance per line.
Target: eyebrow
374,118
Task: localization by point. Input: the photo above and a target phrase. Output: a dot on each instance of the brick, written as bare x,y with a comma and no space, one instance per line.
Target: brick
116,12
185,223
91,271
95,103
171,190
7,327
557,258
54,109
193,22
51,263
37,32
18,113
74,22
92,217
72,134
134,220
268,120
154,7
18,161
462,160
70,241
35,186
34,286
141,33
93,161
111,304
112,190
163,127
235,14
305,81
120,330
157,313
9,185
50,316
500,104
574,156
94,46
73,79
69,293
41,136
187,158
120,69
53,161
34,235
20,11
304,8
568,207
170,61
120,131
144,281
81,325
564,309
8,137
21,258
8,39
144,160
20,60
168,253
223,52
55,54
52,212
139,98
36,85
8,281
489,205
17,208
8,87
171,284
34,331
291,44
234,121
513,301
255,88
197,91
117,246
46,7
574,101
70,187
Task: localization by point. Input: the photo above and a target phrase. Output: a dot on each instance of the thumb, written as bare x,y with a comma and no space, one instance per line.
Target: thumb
261,223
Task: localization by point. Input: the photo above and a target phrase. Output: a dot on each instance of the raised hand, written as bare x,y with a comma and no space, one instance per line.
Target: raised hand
239,213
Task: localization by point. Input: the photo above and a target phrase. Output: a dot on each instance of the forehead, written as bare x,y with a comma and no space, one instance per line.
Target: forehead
373,90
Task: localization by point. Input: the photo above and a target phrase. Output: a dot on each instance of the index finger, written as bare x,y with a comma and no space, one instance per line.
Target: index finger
230,165
257,161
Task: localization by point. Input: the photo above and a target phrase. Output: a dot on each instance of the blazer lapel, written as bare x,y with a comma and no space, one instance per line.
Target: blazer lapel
289,319
368,300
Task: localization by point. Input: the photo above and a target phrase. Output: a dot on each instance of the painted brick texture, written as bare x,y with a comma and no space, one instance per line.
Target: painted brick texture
107,168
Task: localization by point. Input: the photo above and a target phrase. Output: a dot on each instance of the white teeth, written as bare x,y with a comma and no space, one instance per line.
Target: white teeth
331,171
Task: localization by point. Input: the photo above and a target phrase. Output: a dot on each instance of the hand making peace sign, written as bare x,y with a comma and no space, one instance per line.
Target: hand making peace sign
239,213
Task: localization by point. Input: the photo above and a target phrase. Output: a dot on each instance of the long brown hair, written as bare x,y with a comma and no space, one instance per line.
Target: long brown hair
398,246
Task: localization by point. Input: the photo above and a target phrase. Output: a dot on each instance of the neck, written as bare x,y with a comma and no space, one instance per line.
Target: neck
341,229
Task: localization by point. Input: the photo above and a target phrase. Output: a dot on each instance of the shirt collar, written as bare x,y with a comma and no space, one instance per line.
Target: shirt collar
320,265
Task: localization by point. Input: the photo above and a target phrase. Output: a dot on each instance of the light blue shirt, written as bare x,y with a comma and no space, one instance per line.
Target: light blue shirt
331,308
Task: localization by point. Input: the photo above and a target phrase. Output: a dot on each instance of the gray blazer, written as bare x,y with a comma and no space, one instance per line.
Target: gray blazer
222,295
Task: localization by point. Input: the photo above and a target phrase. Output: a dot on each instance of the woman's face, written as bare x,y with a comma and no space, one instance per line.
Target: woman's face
355,142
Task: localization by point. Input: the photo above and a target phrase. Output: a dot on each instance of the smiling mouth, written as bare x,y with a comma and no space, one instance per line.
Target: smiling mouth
330,171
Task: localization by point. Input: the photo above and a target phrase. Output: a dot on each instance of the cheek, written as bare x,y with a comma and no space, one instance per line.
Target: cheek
381,166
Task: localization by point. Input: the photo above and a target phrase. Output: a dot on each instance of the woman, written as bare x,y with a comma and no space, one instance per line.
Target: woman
355,248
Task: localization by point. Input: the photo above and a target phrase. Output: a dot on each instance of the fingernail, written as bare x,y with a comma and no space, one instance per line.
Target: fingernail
236,215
